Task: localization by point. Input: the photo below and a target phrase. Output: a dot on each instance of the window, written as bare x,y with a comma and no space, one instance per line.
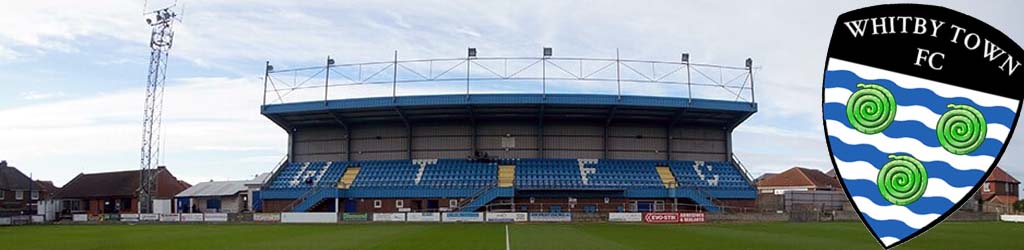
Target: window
35,195
19,195
453,203
376,204
2,195
213,204
606,200
399,203
1007,187
987,188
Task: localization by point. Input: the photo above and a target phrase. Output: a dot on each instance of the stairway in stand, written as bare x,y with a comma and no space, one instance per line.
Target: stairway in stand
350,177
506,175
667,177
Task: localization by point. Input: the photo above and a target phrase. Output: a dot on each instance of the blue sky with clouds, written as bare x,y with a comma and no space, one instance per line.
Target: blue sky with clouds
72,74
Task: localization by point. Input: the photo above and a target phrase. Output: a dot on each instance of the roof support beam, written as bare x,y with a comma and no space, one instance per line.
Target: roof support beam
540,132
472,122
402,115
607,123
668,133
338,119
348,135
408,133
348,144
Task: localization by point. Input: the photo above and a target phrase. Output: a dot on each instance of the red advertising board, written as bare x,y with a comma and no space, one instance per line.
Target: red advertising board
661,217
691,217
664,218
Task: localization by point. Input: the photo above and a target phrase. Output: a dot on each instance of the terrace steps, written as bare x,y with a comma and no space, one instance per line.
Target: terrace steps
667,178
350,177
506,175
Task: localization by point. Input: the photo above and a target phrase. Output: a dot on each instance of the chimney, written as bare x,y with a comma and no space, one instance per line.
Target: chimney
3,163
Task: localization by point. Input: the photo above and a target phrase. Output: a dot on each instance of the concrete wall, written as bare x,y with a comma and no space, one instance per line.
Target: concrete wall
511,139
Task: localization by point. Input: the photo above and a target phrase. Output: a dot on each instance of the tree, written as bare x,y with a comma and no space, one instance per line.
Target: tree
1019,206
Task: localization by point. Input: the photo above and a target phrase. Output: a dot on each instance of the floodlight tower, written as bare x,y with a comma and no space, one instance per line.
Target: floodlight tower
160,41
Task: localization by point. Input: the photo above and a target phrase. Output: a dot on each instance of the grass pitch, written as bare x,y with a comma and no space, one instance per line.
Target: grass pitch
847,235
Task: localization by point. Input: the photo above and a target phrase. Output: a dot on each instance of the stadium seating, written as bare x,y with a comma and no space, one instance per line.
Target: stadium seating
710,175
572,174
437,174
538,174
301,175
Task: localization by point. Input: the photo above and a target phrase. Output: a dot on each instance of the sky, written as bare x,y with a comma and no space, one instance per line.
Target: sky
72,75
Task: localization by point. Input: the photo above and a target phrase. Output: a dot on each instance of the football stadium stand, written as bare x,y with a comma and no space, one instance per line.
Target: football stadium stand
531,151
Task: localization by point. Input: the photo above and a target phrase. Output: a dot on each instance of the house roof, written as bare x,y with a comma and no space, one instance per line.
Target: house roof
13,179
221,188
47,186
764,176
831,173
117,184
799,177
122,183
999,175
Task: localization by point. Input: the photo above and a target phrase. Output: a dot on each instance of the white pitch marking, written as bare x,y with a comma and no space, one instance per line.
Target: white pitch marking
508,245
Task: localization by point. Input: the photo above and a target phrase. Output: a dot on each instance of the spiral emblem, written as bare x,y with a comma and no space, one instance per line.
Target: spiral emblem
871,109
962,129
902,180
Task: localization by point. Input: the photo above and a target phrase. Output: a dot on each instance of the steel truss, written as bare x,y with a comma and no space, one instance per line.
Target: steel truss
161,39
733,83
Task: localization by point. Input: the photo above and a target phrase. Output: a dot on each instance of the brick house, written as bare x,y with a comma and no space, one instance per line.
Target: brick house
799,179
117,192
997,194
800,188
19,194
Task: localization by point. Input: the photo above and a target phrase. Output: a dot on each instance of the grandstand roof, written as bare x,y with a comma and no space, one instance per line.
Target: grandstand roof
998,175
510,106
799,177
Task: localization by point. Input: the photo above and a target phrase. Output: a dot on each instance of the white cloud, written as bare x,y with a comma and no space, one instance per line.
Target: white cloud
7,54
219,115
35,96
55,25
201,116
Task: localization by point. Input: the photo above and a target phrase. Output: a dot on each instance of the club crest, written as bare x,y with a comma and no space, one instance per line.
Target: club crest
919,103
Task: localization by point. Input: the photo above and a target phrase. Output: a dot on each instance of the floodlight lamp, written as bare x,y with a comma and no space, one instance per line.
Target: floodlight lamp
547,52
330,61
270,67
750,63
472,52
685,57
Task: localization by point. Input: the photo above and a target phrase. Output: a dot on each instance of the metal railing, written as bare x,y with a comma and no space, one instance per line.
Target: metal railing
492,74
476,195
273,173
309,193
746,174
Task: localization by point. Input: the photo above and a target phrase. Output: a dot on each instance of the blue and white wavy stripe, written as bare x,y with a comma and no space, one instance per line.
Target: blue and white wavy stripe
915,114
921,102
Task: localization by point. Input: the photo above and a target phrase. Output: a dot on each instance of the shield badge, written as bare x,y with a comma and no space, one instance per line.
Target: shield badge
919,103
